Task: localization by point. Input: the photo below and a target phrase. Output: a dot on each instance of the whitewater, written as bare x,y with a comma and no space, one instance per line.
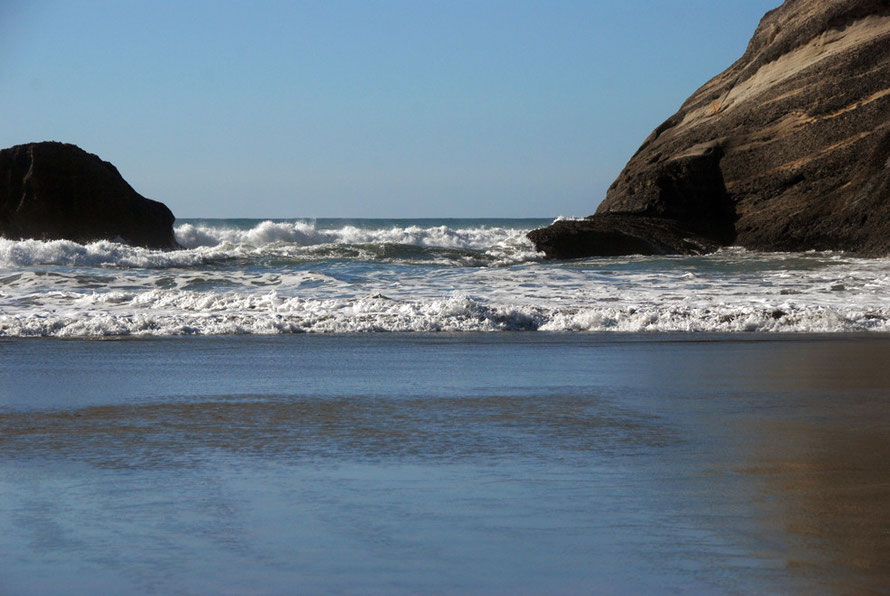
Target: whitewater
343,276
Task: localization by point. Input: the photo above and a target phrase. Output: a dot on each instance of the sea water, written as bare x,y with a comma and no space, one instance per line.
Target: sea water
459,417
291,276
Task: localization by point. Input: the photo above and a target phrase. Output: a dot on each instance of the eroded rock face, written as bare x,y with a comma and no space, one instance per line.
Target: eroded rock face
53,191
788,149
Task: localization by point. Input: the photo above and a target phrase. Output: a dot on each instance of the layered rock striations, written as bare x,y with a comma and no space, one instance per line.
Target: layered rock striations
788,149
53,191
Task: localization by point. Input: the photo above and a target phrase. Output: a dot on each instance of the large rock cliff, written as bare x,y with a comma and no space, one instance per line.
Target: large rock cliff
788,149
53,191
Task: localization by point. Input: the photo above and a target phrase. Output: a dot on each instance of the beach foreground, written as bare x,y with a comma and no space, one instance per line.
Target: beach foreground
389,463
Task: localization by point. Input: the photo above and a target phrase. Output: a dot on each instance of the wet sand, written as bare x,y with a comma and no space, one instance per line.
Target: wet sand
476,463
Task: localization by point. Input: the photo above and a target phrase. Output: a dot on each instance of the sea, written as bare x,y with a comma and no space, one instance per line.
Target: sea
241,276
370,406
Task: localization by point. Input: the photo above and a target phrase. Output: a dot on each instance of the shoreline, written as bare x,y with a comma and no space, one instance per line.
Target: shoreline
655,337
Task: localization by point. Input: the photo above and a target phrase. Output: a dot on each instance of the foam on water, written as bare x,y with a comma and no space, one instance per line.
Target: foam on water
159,312
297,276
30,253
304,233
293,240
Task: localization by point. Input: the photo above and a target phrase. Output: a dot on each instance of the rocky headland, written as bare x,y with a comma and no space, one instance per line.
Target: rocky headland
57,191
788,149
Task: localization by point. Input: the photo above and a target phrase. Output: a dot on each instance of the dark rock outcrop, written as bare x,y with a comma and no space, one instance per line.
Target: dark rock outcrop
614,234
52,191
788,149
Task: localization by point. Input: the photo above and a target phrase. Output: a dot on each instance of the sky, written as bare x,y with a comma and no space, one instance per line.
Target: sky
374,108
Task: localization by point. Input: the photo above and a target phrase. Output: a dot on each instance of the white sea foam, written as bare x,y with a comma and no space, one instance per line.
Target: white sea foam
161,312
29,253
203,244
303,233
267,232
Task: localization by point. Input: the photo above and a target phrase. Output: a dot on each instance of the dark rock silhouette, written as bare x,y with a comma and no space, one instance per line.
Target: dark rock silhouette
52,191
788,149
615,234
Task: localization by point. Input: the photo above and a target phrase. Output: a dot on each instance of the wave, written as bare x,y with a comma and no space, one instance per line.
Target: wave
288,241
267,232
178,312
304,233
104,253
304,237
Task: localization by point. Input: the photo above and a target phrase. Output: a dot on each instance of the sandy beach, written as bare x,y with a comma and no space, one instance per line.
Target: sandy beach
390,463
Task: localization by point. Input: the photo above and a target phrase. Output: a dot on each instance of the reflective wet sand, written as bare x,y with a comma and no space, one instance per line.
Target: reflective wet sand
446,463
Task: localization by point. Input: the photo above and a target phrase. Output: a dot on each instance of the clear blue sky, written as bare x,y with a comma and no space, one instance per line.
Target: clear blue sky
361,109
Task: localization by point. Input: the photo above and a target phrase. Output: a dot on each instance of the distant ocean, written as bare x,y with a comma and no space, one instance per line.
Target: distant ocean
250,276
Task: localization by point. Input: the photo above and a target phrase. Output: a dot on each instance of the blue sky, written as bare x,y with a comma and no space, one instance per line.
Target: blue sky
361,109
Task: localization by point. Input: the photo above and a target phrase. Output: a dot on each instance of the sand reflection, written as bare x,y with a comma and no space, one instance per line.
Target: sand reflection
827,487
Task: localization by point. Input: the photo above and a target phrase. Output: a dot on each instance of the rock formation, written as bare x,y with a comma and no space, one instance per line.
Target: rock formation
53,191
788,149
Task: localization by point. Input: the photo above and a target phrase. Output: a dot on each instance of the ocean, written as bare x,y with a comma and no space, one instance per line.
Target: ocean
428,406
338,276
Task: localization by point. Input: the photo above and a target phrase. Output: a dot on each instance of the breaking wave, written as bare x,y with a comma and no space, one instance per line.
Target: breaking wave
164,313
304,233
297,241
31,253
